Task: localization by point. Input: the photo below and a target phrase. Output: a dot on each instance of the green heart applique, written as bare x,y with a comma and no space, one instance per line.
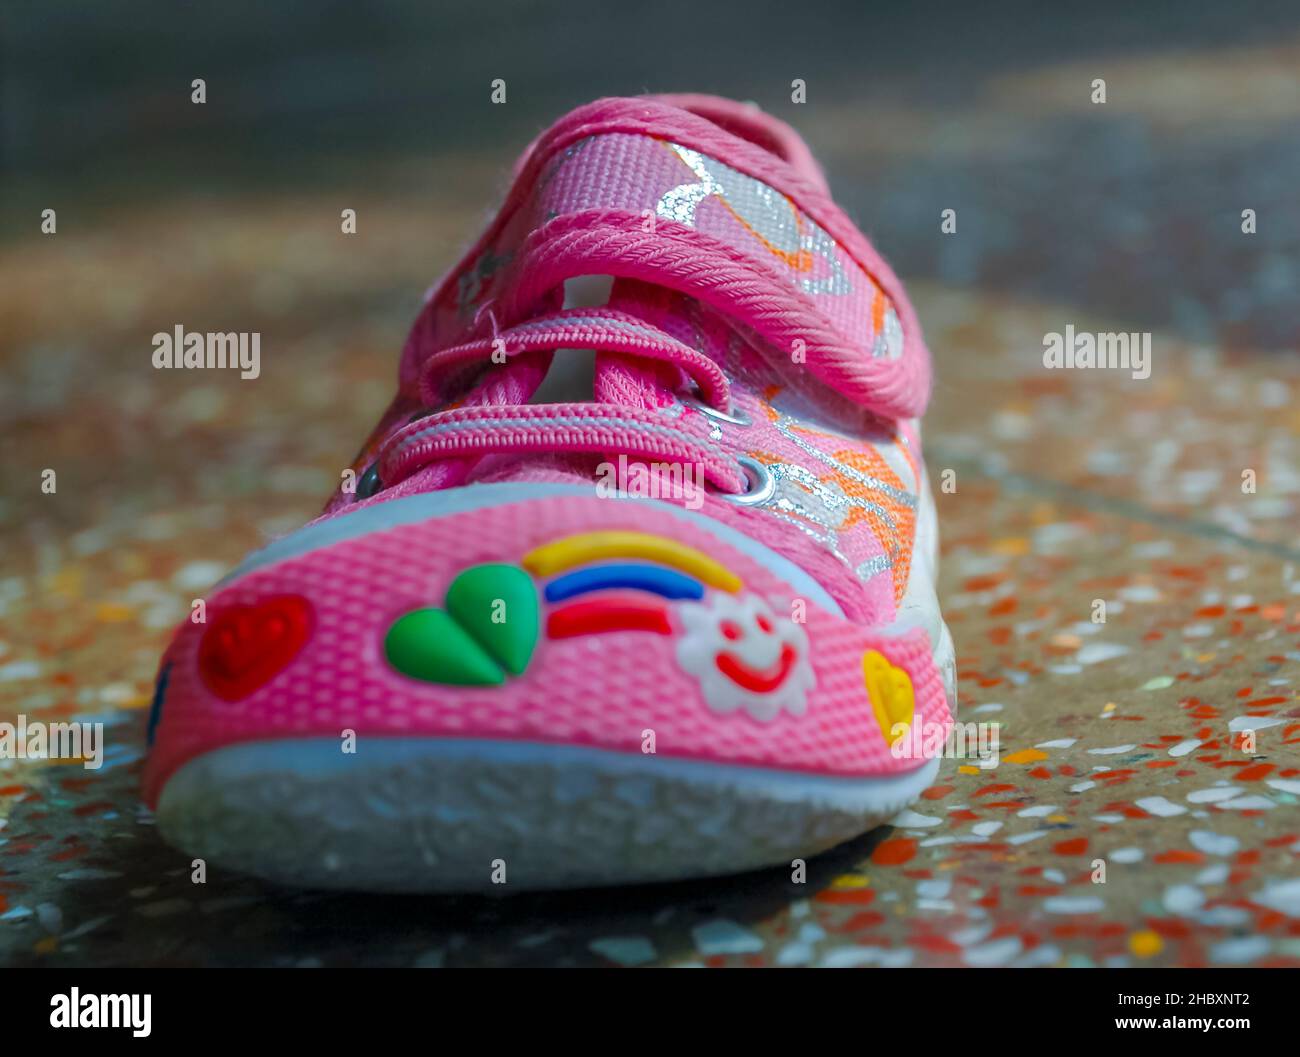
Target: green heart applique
427,644
490,622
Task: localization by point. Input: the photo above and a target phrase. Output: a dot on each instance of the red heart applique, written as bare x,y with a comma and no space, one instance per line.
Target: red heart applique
247,646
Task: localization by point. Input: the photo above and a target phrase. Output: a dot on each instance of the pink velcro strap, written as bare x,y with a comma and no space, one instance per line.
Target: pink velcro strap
581,328
548,428
645,189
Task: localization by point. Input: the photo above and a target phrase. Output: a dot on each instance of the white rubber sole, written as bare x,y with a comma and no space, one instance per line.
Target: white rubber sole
447,815
919,606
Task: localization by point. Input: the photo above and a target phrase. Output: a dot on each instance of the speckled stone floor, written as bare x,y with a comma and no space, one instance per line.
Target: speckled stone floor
1164,742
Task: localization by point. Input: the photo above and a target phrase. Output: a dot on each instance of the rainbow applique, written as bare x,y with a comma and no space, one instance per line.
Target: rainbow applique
744,656
487,628
620,595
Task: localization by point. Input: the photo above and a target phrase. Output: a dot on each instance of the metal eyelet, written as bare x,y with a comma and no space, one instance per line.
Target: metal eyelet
369,483
762,485
736,417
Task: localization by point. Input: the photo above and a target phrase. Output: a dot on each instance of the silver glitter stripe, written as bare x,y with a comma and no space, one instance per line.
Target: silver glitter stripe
832,499
897,494
864,571
873,566
796,513
680,203
826,539
770,215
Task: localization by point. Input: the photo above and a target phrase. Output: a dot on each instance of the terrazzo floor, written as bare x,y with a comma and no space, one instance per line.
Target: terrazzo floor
1126,741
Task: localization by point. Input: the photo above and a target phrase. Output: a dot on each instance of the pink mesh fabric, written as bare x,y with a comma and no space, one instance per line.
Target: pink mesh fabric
600,690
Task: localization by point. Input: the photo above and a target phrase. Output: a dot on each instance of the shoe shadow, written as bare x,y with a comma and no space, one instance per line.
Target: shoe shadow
128,899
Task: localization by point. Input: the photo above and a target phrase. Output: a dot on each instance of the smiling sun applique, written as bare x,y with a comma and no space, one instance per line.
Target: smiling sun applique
745,656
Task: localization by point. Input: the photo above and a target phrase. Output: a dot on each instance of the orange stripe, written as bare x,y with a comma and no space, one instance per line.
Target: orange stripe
877,312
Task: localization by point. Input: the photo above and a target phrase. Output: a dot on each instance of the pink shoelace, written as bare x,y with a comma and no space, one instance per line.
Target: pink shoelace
636,408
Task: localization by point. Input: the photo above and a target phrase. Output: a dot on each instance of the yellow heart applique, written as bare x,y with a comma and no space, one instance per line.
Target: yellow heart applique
889,689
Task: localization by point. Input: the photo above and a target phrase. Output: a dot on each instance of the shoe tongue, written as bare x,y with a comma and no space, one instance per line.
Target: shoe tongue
579,375
648,191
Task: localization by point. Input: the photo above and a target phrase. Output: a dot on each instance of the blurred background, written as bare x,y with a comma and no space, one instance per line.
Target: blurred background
909,104
1125,215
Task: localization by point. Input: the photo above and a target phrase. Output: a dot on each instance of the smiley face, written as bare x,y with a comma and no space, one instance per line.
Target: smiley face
745,656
